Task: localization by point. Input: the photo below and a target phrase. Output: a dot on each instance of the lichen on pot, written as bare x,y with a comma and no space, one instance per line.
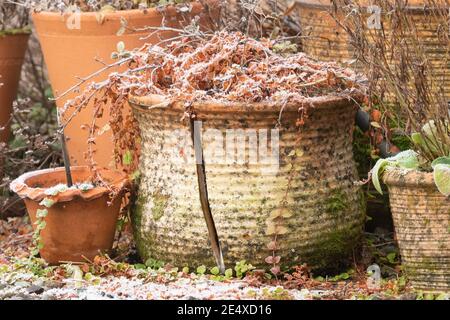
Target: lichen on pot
422,223
324,213
79,221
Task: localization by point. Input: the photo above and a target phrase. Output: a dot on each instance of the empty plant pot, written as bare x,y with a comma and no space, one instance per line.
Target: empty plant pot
302,195
79,224
71,43
422,225
12,53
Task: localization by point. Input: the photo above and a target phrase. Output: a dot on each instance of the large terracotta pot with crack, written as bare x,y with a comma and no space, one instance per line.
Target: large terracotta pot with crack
422,225
72,43
79,224
12,53
305,195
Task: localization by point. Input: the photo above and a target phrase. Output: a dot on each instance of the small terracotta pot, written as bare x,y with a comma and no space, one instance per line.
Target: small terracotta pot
71,44
79,224
12,53
422,221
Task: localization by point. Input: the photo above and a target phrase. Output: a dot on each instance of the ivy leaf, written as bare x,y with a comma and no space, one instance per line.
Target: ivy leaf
127,158
201,270
229,273
441,173
215,271
275,270
272,246
391,257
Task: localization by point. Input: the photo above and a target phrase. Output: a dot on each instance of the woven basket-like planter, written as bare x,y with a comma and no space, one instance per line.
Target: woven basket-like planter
324,210
422,224
325,40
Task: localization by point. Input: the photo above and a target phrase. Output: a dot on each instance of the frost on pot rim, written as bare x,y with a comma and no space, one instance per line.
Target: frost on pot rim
79,221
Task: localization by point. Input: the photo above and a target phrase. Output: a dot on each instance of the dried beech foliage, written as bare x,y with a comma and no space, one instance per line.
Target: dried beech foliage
223,67
262,18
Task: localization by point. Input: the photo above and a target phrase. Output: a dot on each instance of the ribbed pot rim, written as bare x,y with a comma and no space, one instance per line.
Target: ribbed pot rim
119,181
150,102
408,178
115,15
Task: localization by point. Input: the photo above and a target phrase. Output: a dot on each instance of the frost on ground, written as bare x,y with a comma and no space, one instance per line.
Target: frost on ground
125,278
25,286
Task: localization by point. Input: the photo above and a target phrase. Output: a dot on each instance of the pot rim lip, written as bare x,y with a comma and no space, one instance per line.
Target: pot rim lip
153,101
394,176
115,15
20,187
22,33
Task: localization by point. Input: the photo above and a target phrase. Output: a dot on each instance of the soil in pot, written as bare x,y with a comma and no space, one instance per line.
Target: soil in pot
12,53
72,43
422,225
81,221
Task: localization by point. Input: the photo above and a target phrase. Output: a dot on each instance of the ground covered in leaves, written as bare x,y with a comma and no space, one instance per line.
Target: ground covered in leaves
124,277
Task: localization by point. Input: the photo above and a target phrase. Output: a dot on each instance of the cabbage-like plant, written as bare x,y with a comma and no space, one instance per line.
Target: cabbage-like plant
411,160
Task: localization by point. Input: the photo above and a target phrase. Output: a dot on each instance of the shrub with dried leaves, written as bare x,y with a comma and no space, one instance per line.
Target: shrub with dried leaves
222,67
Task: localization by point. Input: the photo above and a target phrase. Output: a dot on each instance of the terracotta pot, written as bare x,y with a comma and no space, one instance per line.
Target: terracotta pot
79,224
324,209
325,40
422,221
12,53
71,53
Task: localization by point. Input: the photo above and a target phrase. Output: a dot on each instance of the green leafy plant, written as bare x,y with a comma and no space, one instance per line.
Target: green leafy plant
410,160
242,267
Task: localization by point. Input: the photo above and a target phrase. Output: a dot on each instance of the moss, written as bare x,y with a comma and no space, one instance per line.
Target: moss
336,203
160,202
330,253
9,32
143,242
362,152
